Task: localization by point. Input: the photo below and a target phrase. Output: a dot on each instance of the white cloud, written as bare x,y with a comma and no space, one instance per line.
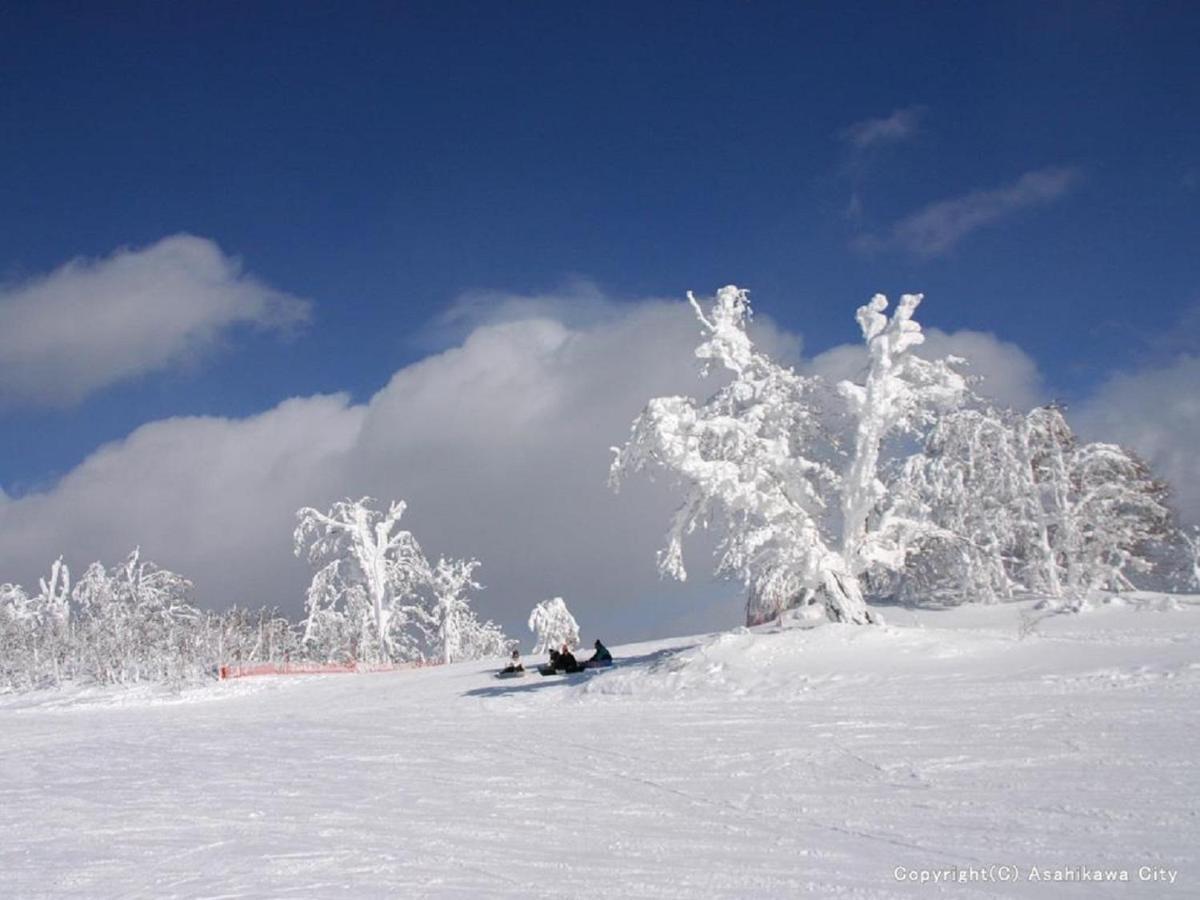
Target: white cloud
935,229
864,139
1156,412
899,126
500,445
93,323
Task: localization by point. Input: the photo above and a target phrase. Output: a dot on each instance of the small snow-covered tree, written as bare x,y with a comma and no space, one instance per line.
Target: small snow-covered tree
553,625
240,635
35,637
1191,542
52,616
456,631
19,633
451,612
756,458
483,640
369,573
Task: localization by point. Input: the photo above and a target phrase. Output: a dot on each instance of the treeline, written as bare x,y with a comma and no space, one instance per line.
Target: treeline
375,598
132,622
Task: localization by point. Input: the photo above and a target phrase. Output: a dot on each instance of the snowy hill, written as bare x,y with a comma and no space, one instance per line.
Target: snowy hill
836,761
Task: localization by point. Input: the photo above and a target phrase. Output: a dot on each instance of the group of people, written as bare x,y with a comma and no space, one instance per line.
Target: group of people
564,660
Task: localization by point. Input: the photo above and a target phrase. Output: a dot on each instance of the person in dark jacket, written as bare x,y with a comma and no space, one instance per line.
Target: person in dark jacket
601,657
567,661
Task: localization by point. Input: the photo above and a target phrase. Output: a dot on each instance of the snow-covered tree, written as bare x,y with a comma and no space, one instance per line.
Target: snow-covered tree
241,635
975,487
135,622
368,576
553,625
1119,510
52,611
757,459
1191,541
455,630
35,630
451,612
1019,505
19,638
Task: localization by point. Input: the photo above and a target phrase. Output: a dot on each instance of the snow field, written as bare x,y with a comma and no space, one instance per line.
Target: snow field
752,764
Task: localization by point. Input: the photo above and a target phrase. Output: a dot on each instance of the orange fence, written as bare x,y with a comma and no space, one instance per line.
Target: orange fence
248,670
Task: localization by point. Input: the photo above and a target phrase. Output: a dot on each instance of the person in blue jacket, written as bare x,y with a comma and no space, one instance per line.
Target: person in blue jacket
601,657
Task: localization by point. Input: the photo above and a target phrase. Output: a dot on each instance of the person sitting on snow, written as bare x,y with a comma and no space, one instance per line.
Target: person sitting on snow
601,657
514,664
566,661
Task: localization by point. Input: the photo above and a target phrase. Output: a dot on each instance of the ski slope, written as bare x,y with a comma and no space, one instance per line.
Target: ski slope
823,762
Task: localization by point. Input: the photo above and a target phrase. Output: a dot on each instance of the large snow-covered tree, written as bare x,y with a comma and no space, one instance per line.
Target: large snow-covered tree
1119,510
368,575
974,485
801,521
553,625
1020,505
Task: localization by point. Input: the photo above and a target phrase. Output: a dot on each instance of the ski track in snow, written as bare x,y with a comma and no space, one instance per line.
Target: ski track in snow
802,763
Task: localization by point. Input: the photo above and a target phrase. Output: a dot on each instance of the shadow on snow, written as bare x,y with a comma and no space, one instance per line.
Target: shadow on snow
542,682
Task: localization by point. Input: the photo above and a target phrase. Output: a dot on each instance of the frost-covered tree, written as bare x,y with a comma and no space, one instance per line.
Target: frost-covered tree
52,613
35,630
1191,542
367,580
451,612
455,630
973,484
1119,511
1019,505
756,459
243,636
553,625
135,622
20,636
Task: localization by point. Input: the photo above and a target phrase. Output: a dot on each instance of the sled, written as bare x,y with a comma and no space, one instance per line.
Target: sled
547,670
583,667
510,673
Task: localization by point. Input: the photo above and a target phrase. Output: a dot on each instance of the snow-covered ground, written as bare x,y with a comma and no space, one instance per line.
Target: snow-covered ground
824,762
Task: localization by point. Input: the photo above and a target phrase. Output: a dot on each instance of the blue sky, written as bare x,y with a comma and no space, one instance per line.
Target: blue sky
1034,168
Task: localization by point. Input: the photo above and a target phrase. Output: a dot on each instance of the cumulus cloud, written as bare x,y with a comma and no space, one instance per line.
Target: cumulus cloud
93,323
499,443
1156,412
901,125
935,229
